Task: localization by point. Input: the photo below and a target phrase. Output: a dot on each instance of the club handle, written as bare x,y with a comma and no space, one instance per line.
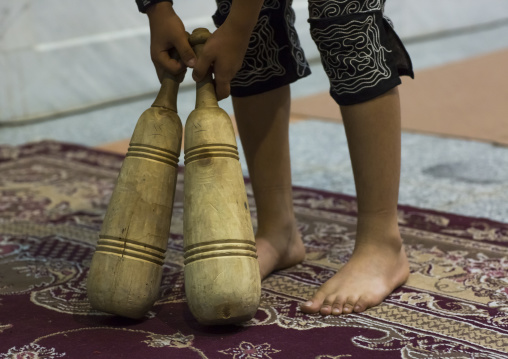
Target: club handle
205,89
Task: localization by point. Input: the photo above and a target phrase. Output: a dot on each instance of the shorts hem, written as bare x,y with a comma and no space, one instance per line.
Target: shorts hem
272,84
354,99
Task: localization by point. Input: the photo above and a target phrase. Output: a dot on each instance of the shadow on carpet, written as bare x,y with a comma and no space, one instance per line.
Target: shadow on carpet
53,198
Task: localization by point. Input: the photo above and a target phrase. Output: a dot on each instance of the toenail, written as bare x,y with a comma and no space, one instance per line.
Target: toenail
358,308
307,303
336,311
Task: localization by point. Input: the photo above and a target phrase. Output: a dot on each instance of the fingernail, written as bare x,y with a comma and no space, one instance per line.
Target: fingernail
307,303
191,62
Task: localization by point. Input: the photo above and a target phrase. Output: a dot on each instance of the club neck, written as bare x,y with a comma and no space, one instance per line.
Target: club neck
168,93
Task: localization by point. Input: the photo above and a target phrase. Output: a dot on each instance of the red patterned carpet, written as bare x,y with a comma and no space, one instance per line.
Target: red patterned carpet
455,304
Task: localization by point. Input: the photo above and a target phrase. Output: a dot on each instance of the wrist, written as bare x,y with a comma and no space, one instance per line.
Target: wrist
160,10
146,6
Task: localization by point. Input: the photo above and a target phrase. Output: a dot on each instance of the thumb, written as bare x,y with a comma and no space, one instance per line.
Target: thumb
201,68
186,53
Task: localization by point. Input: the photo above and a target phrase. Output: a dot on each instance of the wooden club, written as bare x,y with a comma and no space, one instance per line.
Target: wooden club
222,280
126,269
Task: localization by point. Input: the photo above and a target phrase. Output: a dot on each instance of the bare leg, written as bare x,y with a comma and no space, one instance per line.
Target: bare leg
263,125
378,264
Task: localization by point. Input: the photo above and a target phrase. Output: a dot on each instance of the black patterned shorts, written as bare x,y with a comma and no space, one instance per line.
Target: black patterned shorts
361,53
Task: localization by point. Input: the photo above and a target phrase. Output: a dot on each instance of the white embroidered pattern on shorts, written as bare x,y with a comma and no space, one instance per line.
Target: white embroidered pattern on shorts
352,54
261,61
320,9
296,50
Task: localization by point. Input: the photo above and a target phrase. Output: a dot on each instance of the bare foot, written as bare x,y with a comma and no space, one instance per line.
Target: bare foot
279,249
372,273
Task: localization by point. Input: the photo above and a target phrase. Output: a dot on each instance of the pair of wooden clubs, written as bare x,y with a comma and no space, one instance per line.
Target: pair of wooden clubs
222,281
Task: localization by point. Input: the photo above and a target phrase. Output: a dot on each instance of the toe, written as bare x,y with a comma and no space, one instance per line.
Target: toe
347,309
314,305
326,308
338,306
363,303
349,305
359,307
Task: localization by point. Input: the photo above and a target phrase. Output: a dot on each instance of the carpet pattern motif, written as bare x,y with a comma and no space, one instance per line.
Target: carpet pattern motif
53,198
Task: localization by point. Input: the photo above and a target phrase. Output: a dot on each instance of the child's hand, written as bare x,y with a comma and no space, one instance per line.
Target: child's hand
224,51
166,33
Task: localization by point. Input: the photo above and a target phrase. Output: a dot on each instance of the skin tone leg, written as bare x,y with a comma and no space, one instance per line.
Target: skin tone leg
263,125
379,263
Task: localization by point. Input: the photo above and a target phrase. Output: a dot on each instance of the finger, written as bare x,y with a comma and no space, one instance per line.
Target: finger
173,66
185,51
201,68
222,89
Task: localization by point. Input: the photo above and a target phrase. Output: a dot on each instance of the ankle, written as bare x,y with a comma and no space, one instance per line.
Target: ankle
378,231
380,221
277,227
